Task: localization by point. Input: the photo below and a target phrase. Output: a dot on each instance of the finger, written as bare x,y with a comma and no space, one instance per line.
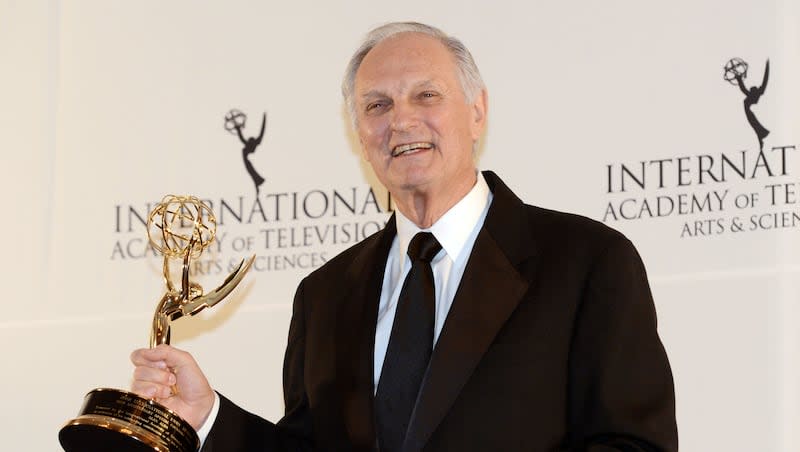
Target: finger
152,375
149,357
173,357
151,390
162,356
176,357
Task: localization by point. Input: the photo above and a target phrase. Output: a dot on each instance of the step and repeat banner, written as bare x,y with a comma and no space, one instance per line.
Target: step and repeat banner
676,123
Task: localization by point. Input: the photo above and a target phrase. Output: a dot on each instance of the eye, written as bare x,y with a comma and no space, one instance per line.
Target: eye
428,94
376,106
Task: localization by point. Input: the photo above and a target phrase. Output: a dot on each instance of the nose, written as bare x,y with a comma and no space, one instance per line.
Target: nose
405,117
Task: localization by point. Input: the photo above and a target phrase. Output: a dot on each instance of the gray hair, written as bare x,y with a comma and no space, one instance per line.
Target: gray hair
467,70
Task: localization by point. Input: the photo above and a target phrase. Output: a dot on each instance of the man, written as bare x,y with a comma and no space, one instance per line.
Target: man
540,330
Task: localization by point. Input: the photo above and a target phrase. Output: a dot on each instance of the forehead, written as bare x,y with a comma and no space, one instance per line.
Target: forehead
402,59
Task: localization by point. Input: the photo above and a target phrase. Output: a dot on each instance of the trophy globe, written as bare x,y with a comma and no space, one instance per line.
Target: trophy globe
735,68
234,120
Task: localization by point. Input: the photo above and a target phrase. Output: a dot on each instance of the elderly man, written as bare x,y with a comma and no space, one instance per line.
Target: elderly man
471,322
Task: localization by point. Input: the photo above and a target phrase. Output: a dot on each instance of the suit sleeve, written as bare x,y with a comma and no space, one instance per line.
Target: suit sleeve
236,430
621,391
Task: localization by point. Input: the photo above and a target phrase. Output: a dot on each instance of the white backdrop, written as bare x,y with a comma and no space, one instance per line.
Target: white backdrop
106,106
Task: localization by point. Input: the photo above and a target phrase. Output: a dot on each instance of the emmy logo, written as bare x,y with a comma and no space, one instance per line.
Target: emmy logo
235,121
735,74
179,227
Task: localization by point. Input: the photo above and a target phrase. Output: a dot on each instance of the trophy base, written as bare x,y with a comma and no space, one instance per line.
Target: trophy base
120,421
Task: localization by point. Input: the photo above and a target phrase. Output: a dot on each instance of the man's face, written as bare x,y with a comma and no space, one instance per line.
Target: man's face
414,124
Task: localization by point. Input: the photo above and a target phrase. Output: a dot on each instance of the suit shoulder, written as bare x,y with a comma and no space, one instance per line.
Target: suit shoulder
579,245
571,228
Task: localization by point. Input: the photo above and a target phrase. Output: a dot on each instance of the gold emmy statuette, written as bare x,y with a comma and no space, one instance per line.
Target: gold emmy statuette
180,227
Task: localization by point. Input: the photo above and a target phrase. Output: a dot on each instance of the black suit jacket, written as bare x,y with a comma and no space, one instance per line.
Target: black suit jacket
550,344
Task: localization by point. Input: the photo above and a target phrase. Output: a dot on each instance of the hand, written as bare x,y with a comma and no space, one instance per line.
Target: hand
160,369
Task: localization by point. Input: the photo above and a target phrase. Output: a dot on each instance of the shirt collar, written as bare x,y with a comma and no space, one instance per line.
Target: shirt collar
454,227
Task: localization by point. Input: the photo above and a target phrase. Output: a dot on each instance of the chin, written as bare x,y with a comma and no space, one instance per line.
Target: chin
414,183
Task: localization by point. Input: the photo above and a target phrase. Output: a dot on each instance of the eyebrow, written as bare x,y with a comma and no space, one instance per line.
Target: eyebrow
424,84
373,94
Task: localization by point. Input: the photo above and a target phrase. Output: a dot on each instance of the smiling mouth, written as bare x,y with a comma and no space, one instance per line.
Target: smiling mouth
410,148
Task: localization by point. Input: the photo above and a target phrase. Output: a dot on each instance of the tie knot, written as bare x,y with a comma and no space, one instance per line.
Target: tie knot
423,246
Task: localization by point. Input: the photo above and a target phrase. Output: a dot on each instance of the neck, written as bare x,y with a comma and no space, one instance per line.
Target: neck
425,207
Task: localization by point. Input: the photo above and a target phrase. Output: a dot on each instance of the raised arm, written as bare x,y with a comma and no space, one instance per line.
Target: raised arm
263,126
241,137
766,78
740,82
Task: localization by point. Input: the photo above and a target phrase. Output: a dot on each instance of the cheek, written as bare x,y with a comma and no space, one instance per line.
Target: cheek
372,133
451,129
371,139
374,140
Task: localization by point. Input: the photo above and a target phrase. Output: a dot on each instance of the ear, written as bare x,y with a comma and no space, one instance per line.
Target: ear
479,109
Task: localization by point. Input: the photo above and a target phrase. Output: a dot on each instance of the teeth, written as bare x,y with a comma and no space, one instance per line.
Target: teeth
403,148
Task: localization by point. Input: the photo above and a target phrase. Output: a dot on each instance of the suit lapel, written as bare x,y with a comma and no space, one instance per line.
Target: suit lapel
488,293
355,337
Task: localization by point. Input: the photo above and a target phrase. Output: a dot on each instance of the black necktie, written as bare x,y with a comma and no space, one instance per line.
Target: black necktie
410,346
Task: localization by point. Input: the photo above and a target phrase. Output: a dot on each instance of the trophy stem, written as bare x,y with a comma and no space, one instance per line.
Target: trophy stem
169,308
160,332
185,285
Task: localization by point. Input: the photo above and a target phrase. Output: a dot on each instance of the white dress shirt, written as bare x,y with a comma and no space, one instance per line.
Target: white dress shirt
456,231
